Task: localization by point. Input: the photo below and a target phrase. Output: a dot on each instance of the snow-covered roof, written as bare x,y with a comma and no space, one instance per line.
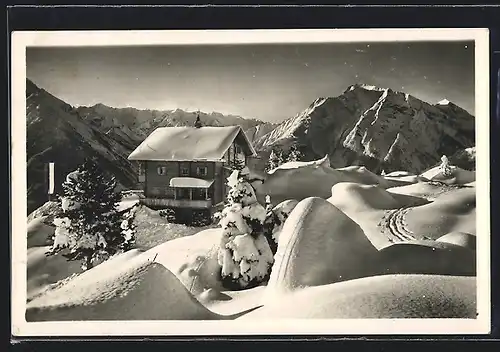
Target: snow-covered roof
444,102
190,143
190,182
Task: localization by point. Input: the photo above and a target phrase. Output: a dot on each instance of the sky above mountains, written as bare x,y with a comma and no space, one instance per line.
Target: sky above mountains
268,82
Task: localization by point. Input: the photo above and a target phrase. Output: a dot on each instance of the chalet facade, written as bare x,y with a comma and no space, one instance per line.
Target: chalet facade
185,168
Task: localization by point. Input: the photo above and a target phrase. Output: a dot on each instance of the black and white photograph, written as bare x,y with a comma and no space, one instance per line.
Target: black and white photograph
250,182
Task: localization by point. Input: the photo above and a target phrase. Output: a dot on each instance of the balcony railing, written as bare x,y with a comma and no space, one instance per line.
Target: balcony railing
177,203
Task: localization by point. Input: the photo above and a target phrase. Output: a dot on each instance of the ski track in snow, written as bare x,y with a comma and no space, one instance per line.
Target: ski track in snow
394,225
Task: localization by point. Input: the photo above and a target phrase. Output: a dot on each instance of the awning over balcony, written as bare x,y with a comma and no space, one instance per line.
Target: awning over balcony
190,182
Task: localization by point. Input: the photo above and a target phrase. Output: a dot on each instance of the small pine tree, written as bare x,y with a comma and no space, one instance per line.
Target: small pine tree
197,123
276,158
280,156
90,226
445,166
237,164
294,154
244,253
272,162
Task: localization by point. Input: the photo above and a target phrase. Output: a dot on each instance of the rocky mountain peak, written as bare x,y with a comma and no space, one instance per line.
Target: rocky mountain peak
377,127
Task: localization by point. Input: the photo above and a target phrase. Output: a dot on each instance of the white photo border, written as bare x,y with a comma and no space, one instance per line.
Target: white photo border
21,328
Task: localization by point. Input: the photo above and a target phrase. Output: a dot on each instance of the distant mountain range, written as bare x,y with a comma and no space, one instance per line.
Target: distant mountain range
135,125
376,127
61,133
379,128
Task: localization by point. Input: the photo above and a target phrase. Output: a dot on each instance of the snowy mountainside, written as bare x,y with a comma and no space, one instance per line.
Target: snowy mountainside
377,127
465,158
256,132
56,132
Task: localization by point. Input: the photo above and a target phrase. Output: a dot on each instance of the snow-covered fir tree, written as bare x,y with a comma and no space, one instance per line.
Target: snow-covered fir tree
237,164
445,166
276,158
294,154
244,253
89,227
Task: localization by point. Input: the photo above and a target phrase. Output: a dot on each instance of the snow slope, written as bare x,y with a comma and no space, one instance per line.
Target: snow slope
152,229
192,259
316,229
299,180
39,233
43,271
137,290
360,251
378,297
458,176
403,213
439,257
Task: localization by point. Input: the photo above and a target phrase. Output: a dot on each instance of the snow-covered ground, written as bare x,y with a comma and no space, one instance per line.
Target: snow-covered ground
44,272
299,180
355,245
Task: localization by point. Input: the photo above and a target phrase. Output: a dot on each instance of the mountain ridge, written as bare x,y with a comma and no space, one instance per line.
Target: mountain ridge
377,127
57,133
61,133
137,124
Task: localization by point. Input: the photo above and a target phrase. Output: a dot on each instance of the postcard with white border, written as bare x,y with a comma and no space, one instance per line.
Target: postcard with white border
250,182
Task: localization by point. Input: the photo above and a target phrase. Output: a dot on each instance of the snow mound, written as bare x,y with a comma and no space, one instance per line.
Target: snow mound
450,212
43,271
211,295
399,174
300,164
136,290
458,175
421,211
463,239
378,297
48,210
360,174
58,266
299,180
192,259
428,257
421,189
38,232
318,245
353,197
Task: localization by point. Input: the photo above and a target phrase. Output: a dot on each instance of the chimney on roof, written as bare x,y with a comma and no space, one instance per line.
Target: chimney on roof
197,124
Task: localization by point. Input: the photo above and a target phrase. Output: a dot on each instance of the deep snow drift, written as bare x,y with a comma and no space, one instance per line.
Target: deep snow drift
378,297
141,290
369,246
299,180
